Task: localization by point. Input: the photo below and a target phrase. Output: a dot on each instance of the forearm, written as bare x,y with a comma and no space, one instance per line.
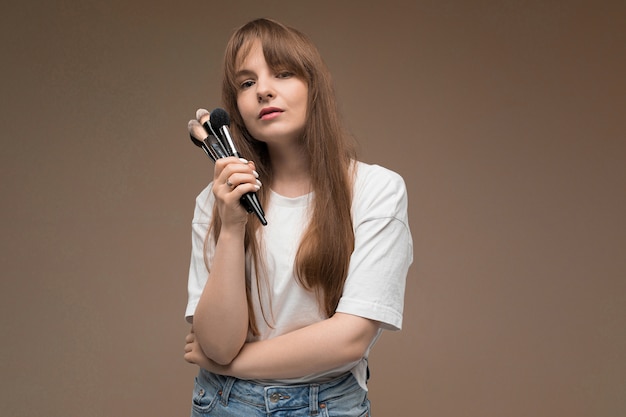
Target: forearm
322,346
221,318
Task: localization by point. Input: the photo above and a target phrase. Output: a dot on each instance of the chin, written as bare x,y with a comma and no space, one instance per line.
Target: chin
278,137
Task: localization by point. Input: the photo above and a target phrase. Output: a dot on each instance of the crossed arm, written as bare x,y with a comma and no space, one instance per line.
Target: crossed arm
341,339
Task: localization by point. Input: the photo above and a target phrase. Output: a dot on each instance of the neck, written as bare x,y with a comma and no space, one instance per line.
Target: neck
290,171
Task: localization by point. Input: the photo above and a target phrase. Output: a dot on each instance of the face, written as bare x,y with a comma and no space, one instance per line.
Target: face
273,103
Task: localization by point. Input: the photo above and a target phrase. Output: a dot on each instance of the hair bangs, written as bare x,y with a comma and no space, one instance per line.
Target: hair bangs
284,49
284,54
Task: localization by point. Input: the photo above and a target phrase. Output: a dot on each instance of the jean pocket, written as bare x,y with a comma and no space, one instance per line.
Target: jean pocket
345,409
203,400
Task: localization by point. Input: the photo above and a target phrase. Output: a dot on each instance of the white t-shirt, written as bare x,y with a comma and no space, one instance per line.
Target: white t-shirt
375,284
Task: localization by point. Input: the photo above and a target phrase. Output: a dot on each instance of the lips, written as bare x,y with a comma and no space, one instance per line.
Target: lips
269,112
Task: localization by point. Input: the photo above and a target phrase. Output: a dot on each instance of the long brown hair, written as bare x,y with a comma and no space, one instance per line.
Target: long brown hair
323,257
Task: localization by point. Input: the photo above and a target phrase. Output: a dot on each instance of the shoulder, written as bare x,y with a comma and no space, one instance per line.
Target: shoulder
368,175
378,191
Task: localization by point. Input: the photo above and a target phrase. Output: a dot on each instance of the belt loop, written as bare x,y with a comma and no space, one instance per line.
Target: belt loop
226,390
313,399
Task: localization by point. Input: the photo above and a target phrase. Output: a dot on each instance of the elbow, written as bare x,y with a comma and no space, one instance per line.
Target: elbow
359,334
225,361
220,353
223,358
354,348
356,352
220,347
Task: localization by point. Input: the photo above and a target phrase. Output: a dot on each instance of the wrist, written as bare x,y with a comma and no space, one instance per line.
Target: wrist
233,230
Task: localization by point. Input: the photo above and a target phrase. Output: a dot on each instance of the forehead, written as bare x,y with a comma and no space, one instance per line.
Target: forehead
250,55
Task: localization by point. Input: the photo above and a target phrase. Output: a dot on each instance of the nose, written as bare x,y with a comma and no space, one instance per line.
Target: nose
264,96
264,91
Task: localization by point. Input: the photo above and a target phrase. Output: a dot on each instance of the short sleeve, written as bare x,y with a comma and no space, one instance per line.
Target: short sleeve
383,251
198,272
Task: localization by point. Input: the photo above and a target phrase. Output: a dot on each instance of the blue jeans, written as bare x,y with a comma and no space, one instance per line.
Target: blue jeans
222,396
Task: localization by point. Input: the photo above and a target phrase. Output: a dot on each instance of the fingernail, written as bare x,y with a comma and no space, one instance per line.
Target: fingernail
245,161
258,183
257,187
256,174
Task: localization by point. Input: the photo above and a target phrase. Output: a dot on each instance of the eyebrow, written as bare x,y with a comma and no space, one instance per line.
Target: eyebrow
244,73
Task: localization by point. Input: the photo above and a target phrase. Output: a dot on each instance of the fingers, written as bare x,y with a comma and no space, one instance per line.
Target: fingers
236,180
189,348
234,174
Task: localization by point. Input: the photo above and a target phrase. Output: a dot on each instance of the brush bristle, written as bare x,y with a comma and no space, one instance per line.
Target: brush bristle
219,118
196,130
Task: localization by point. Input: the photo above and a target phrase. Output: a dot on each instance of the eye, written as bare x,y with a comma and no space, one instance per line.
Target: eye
246,84
284,74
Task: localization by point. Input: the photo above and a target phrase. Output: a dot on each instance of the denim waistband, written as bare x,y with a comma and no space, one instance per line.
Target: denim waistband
281,397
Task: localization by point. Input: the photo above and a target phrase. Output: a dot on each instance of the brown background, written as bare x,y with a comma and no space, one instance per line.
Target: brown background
506,119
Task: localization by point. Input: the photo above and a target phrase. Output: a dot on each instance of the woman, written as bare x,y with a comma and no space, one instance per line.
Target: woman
284,315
